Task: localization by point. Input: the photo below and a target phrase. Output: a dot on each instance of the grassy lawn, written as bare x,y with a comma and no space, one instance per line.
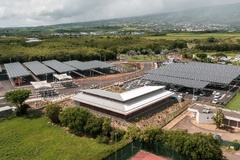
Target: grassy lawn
234,104
23,138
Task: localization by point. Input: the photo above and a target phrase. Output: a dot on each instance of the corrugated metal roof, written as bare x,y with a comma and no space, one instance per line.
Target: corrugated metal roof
59,66
15,70
123,107
38,68
125,96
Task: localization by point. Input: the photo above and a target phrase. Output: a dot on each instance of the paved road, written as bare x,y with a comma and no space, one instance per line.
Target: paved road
103,81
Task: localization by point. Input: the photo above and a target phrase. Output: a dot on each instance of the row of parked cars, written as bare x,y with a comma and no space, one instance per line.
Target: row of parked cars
216,97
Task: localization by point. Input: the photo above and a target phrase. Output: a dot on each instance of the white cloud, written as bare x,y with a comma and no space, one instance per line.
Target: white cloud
45,12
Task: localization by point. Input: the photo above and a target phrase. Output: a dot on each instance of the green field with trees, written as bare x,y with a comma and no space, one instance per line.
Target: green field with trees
35,139
110,47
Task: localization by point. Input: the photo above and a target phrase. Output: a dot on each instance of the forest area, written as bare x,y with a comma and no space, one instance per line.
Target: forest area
110,47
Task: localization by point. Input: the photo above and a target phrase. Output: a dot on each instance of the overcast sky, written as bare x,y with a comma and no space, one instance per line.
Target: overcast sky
16,13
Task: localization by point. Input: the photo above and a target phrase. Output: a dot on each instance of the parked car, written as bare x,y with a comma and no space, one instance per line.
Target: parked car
215,101
195,98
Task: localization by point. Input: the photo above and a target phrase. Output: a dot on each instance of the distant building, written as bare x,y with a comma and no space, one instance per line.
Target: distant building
127,105
29,40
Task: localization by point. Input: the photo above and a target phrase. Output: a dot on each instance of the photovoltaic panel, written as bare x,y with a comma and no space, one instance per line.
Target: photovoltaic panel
79,65
15,70
38,68
178,81
59,66
199,71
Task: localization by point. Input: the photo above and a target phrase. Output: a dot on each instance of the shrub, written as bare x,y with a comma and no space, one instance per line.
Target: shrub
52,112
93,126
236,145
22,110
75,118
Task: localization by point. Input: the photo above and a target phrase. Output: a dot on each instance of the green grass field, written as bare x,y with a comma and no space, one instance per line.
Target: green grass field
35,139
234,104
190,36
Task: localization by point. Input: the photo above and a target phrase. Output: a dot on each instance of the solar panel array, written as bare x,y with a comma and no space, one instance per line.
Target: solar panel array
197,72
178,81
78,65
59,66
15,70
38,68
88,65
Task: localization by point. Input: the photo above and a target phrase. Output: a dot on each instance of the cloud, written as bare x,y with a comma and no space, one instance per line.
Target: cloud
45,12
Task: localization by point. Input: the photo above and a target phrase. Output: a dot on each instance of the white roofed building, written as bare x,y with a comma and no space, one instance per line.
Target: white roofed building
127,105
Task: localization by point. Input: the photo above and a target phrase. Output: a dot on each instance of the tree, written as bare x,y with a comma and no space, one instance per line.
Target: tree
17,98
133,132
218,119
75,118
202,56
93,126
211,39
52,112
106,127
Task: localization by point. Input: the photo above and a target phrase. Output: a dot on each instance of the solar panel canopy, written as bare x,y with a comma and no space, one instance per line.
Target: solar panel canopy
38,68
196,72
88,65
59,66
78,65
15,70
178,81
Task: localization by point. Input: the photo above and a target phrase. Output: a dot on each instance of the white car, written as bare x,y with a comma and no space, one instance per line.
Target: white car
217,96
215,101
195,98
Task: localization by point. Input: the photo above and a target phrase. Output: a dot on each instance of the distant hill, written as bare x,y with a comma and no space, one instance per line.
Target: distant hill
228,14
222,14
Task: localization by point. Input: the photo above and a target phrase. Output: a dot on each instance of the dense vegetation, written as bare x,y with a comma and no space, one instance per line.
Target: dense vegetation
109,47
79,48
197,146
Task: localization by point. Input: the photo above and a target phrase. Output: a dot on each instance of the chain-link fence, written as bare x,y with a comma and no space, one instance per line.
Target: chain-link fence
159,149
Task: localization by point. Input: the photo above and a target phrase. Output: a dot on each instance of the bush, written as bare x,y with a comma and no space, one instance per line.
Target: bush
236,145
22,110
117,135
52,112
75,118
93,126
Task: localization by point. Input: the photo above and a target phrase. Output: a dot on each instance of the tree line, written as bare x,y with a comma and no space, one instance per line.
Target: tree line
80,48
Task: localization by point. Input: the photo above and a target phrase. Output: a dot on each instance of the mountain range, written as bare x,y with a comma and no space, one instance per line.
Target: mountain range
227,14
